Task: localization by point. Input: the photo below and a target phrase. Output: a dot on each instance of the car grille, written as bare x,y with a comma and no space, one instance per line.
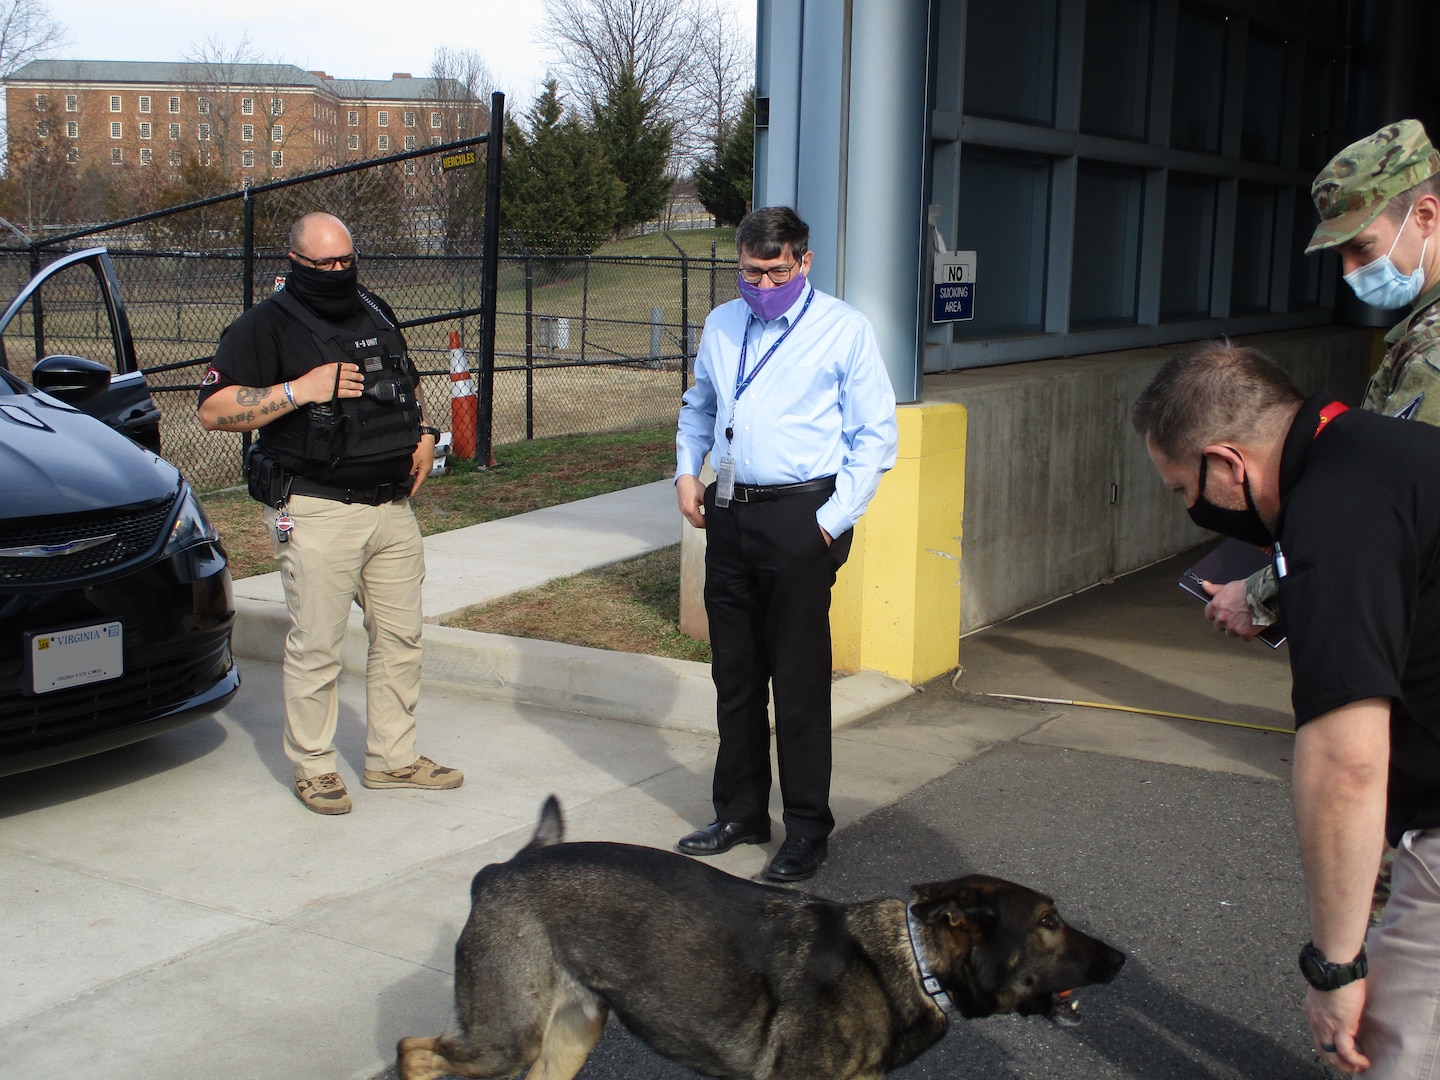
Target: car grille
142,693
135,531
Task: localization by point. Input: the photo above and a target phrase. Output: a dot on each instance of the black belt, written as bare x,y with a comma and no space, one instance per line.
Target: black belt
752,493
371,496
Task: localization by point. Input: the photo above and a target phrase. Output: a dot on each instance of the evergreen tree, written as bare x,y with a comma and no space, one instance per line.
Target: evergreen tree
559,194
638,146
724,181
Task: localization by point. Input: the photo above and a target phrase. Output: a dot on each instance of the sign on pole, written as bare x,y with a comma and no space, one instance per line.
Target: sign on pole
953,299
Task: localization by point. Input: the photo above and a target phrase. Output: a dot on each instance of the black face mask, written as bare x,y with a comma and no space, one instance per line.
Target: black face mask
331,294
1245,525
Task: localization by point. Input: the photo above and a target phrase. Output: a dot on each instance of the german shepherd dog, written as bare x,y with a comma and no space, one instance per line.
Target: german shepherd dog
729,977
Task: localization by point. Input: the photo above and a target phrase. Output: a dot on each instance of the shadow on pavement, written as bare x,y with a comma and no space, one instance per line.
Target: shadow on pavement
74,780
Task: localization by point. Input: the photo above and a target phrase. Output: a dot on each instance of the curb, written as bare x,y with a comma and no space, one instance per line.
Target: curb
639,689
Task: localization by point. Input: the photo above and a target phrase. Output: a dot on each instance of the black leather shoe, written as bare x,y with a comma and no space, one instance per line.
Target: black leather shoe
721,836
797,859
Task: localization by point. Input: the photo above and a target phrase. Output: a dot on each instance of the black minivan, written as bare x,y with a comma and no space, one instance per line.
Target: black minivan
116,603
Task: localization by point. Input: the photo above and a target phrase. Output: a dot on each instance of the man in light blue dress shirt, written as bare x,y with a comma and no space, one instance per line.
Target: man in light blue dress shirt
795,408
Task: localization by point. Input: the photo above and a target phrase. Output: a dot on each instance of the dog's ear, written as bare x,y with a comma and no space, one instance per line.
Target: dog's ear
955,906
551,827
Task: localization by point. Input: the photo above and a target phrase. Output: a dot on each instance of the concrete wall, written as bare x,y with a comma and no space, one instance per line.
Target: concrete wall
1059,492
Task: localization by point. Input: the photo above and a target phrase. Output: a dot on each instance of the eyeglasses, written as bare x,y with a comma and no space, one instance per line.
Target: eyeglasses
343,262
777,274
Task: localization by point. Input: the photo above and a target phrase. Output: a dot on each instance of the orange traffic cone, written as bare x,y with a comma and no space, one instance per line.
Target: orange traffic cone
464,415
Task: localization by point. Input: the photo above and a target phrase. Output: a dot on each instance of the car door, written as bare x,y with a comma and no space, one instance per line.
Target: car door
73,307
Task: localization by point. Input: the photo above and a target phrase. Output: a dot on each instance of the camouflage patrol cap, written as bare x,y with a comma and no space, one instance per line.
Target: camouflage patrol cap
1357,185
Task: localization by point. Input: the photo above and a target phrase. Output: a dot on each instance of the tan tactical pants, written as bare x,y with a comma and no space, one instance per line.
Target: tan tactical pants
372,555
1400,1029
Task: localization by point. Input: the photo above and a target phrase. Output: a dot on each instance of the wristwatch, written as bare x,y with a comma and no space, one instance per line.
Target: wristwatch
1323,975
434,433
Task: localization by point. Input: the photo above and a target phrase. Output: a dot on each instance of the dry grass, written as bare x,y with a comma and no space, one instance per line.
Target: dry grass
632,606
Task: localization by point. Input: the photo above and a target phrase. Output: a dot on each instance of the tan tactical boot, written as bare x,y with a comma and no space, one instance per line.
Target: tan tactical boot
325,794
424,773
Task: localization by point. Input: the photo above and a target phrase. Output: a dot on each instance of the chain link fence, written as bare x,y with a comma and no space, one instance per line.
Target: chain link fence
582,344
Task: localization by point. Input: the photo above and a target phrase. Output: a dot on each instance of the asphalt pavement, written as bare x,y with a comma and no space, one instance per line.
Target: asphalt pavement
1191,873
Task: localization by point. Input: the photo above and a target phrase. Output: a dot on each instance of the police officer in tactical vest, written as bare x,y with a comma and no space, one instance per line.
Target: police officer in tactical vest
319,370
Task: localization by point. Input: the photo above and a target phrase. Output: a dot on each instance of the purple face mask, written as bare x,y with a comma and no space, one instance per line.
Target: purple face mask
770,304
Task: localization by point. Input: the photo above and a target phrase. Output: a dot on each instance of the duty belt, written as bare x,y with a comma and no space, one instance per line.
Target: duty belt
753,493
371,496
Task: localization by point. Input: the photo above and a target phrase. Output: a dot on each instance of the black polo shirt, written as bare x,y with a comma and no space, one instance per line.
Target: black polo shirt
1360,536
267,345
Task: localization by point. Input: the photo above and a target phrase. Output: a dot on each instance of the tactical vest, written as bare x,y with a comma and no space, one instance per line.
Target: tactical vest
383,423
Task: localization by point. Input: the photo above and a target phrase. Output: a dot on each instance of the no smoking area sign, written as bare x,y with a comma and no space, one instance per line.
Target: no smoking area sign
953,297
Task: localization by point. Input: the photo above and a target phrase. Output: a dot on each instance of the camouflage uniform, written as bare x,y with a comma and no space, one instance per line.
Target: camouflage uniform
1350,193
1407,383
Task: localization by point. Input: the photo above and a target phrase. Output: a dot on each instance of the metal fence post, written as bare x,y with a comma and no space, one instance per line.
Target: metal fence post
490,259
529,347
684,314
584,308
249,237
248,289
37,310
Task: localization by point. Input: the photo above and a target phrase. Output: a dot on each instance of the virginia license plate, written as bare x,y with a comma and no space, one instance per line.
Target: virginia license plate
60,659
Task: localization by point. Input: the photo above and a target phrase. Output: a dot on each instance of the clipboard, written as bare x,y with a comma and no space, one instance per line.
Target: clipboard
1231,560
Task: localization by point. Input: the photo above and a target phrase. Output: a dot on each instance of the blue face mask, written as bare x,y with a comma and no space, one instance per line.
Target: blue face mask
1381,285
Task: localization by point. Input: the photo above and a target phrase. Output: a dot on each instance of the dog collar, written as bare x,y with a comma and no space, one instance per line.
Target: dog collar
927,978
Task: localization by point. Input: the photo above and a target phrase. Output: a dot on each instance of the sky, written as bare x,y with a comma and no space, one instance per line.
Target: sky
358,39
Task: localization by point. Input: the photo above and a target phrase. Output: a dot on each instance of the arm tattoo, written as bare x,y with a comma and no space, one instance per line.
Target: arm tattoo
238,418
251,395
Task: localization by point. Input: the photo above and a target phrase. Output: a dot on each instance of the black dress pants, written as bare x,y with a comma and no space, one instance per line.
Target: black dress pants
768,575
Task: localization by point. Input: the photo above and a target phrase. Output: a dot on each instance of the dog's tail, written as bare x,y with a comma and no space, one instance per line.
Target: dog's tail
550,829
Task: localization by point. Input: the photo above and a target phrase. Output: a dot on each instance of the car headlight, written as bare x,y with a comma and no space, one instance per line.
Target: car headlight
191,525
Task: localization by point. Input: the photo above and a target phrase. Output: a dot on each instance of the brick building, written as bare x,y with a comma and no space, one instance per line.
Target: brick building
258,121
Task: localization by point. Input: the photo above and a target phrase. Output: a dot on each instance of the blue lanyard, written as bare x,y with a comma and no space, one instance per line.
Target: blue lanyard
743,381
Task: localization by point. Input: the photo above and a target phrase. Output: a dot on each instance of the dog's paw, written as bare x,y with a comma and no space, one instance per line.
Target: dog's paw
416,1059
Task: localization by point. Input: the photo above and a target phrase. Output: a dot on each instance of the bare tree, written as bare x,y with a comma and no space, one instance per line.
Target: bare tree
39,177
27,32
725,59
40,182
222,77
600,42
462,82
462,85
461,73
688,56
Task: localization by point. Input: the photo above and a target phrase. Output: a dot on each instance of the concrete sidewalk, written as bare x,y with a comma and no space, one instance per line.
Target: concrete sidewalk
484,562
176,907
173,909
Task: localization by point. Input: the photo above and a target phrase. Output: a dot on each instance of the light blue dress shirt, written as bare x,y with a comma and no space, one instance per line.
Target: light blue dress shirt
822,405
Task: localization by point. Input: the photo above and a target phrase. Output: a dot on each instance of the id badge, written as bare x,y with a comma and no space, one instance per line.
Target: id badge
725,481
